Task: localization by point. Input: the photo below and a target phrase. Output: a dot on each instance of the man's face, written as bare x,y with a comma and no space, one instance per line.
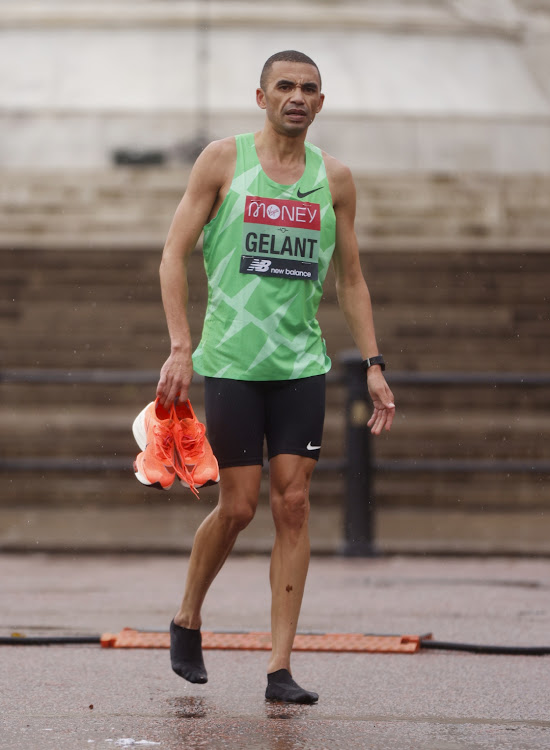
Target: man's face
292,97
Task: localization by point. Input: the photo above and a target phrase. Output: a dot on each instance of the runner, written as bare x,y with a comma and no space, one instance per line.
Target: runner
275,210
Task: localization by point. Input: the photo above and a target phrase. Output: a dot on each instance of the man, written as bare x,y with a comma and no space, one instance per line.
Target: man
275,210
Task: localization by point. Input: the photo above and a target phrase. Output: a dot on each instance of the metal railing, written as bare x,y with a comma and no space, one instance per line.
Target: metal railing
359,521
358,463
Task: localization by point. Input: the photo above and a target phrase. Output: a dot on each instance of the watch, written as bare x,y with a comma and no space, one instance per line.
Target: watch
378,360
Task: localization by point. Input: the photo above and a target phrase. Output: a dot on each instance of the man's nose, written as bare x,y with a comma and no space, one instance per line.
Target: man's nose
297,95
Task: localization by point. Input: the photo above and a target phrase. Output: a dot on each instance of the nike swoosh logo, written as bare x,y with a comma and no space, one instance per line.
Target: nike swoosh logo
308,192
311,447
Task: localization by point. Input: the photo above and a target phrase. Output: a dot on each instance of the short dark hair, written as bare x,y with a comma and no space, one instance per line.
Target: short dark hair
288,55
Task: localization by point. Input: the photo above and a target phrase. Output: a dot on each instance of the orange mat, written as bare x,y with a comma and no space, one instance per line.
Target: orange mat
336,642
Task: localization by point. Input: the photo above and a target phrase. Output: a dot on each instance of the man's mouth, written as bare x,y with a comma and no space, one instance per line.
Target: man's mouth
296,113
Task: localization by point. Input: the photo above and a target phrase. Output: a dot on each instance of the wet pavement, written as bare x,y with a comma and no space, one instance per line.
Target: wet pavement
73,697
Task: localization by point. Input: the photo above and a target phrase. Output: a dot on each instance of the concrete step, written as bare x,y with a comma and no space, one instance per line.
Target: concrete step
474,493
485,401
126,204
79,430
103,309
170,529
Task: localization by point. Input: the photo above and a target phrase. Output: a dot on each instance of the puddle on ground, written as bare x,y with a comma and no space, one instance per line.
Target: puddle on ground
189,707
285,710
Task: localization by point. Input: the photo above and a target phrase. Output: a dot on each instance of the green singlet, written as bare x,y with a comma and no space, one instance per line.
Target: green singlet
266,255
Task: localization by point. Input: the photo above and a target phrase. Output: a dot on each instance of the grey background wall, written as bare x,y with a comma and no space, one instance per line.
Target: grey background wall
410,85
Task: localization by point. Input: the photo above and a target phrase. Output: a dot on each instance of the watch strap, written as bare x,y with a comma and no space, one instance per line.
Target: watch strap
378,360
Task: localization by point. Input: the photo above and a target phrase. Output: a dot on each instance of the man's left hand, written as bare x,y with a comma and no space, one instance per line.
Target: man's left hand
382,399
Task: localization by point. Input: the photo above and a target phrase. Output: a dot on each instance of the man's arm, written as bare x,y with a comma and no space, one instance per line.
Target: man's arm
205,191
353,294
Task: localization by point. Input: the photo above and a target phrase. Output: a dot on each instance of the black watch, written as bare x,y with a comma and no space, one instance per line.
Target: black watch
378,360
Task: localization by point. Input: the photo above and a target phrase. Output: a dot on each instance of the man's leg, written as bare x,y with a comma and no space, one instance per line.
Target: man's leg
214,540
290,481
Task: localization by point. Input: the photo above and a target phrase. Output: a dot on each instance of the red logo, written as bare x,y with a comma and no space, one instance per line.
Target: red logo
282,213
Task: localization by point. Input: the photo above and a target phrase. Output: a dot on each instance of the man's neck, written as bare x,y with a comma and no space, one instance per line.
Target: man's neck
280,148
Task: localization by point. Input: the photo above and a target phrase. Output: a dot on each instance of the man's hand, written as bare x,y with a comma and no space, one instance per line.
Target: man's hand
175,379
382,399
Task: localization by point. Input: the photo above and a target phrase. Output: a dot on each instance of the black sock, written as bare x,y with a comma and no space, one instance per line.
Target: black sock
281,687
186,653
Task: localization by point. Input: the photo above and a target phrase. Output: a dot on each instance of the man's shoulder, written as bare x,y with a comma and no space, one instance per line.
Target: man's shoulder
336,169
340,179
224,148
216,162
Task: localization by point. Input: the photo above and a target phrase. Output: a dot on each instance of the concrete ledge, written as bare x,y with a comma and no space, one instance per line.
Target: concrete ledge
401,16
162,529
419,211
165,529
443,532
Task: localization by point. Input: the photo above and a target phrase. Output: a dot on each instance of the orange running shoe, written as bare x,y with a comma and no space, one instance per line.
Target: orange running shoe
195,464
153,430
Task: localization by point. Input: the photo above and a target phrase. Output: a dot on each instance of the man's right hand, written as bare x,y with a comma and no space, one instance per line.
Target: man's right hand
175,378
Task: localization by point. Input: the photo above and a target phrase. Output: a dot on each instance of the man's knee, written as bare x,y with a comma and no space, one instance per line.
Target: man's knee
290,508
237,515
239,492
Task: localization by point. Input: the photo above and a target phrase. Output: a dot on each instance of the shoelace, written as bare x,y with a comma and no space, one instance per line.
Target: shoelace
191,438
185,447
164,442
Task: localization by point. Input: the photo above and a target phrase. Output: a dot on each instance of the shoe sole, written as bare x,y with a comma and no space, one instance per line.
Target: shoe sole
138,428
208,483
143,479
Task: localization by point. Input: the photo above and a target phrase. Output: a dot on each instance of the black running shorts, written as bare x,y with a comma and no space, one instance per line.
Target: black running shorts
239,413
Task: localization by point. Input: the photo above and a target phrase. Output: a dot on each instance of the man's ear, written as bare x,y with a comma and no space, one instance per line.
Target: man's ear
321,102
260,98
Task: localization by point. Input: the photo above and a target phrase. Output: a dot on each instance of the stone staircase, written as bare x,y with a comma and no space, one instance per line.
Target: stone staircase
133,207
72,310
93,305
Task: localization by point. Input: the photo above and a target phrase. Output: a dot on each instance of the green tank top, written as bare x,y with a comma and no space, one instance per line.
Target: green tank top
266,255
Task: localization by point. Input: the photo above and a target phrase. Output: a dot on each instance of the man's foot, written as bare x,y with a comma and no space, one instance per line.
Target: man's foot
186,654
281,687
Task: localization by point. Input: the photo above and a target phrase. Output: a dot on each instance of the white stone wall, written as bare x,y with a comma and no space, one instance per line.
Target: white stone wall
438,86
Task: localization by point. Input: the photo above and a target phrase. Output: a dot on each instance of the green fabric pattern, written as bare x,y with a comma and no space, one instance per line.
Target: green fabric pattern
266,255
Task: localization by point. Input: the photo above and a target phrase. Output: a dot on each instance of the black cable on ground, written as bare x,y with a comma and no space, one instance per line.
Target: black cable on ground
48,640
425,643
480,649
